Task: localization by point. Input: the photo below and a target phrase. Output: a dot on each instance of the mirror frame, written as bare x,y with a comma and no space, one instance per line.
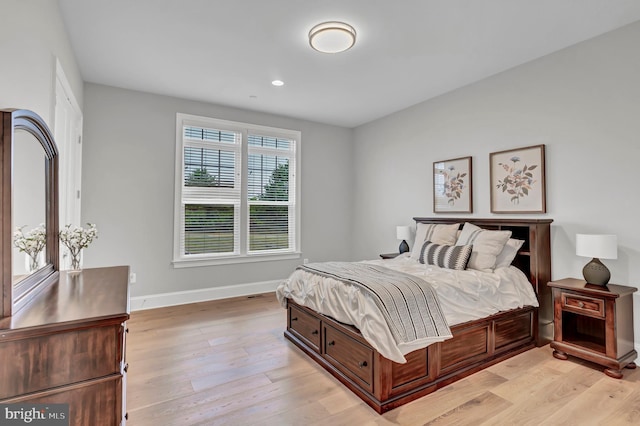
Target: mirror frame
13,297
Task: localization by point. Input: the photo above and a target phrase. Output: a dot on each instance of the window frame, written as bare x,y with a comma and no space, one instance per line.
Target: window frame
242,254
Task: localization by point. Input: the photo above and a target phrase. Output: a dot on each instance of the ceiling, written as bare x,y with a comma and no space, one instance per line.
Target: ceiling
228,51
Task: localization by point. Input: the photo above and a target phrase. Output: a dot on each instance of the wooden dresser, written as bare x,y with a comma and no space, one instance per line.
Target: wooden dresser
68,346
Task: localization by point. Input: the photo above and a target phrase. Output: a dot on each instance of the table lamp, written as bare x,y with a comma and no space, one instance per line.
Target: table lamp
598,247
403,233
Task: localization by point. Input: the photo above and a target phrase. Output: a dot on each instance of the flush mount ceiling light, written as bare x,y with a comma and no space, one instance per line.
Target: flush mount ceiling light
332,37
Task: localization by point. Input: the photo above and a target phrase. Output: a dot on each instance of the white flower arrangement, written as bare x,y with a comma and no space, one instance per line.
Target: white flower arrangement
32,243
76,238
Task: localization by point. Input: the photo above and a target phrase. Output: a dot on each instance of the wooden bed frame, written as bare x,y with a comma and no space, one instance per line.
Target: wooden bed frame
384,384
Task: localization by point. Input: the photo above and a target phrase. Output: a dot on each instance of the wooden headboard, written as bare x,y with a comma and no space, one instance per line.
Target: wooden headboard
534,258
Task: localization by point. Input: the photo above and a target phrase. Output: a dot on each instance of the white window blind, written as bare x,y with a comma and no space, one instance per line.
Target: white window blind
210,191
236,192
271,194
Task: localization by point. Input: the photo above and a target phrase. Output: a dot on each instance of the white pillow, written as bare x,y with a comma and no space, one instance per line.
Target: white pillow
487,245
439,234
508,253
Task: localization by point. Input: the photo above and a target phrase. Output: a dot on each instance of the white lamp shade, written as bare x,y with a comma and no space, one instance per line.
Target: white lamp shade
403,232
598,246
332,37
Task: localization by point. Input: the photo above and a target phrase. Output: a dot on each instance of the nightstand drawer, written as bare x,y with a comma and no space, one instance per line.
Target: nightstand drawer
591,306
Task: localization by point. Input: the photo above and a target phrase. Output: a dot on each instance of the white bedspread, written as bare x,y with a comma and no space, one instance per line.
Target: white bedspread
464,296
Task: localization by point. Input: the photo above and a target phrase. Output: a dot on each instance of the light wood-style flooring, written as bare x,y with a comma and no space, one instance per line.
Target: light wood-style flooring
227,362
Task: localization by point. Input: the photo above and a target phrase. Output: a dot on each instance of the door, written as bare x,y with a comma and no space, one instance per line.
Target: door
68,134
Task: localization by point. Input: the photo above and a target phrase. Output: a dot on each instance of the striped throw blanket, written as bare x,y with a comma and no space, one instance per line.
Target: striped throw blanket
408,303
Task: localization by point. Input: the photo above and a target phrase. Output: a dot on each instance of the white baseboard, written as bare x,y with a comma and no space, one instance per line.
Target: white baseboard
151,301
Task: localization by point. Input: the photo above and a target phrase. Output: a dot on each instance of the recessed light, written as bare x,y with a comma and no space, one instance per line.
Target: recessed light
277,83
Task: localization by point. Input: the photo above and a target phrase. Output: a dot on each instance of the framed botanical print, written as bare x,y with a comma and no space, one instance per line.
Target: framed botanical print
518,180
452,190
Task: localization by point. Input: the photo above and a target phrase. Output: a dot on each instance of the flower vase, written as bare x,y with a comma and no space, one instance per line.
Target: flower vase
34,263
76,258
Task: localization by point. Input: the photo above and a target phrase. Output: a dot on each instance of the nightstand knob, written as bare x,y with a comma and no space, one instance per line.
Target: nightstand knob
580,305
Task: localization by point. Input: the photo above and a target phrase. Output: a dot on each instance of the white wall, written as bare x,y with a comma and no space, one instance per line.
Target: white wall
128,180
583,103
32,35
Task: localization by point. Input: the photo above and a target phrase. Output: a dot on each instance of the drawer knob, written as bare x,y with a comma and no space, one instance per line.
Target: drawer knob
331,343
314,332
362,364
580,305
294,319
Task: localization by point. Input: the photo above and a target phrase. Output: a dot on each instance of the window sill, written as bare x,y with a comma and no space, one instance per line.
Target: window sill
192,263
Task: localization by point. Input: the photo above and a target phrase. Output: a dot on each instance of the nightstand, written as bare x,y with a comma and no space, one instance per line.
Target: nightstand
594,323
389,255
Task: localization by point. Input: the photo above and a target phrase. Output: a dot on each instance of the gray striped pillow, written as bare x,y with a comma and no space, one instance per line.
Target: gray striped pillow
450,257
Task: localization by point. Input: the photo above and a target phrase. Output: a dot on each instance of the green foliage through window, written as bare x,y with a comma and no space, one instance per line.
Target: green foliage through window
278,187
208,228
200,177
268,227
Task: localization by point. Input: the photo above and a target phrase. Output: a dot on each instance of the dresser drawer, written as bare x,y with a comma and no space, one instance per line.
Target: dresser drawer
351,357
46,362
92,402
591,306
305,326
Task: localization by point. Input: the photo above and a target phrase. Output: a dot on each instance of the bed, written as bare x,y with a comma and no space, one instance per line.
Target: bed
384,384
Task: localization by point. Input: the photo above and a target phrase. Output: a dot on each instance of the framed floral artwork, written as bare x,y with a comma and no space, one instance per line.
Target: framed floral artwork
518,180
452,190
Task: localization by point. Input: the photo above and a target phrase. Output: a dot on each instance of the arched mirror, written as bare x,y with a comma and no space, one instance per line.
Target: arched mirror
29,184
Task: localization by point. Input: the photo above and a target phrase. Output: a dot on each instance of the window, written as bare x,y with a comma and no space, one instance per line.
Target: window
236,192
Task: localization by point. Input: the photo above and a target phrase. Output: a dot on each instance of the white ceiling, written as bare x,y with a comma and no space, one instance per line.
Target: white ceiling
407,51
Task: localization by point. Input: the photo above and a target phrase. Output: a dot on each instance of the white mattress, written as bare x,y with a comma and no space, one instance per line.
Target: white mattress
464,296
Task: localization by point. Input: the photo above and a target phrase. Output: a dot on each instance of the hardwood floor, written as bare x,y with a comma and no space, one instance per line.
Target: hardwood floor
227,362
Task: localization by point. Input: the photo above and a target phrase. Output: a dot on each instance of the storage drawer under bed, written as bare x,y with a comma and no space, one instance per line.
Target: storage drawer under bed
305,326
352,358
